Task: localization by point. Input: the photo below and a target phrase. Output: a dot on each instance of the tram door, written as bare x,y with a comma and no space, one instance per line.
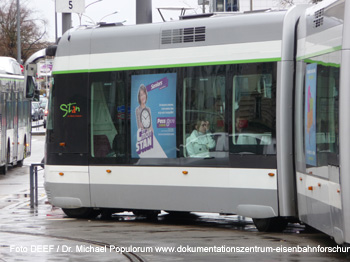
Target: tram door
15,126
3,128
66,139
318,151
9,124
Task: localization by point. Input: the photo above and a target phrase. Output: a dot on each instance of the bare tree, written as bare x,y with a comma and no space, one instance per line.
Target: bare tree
32,29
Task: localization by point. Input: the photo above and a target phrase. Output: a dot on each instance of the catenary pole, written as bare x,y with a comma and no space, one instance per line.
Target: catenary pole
19,51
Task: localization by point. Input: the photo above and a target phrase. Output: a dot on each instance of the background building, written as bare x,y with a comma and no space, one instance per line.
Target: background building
247,5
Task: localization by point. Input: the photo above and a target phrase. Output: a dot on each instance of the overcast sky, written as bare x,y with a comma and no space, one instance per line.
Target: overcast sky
126,11
95,12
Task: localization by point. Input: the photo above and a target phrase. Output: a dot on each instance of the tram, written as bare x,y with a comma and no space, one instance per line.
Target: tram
15,115
227,72
321,118
195,115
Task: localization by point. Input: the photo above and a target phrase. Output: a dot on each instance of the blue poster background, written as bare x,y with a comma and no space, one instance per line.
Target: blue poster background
161,100
310,114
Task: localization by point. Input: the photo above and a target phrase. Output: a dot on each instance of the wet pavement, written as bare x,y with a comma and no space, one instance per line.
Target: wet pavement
27,235
46,234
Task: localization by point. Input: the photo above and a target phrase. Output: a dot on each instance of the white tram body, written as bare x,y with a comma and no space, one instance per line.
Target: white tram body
243,40
248,64
321,120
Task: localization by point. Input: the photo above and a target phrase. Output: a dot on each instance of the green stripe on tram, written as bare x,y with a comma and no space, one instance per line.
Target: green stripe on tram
312,61
323,52
263,60
13,79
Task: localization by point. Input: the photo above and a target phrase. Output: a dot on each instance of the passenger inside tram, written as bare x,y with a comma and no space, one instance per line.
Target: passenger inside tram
200,140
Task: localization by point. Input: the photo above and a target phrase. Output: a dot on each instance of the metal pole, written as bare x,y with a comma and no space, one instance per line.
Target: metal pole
18,33
66,22
143,11
33,179
36,186
251,5
56,33
31,189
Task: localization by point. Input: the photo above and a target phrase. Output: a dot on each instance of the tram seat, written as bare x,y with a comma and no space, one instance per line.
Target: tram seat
265,139
101,145
221,144
321,138
246,139
270,149
247,107
119,145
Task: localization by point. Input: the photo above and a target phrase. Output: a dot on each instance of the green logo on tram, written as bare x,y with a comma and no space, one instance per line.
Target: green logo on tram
70,110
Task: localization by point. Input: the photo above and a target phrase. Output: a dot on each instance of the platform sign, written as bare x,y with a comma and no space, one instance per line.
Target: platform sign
70,6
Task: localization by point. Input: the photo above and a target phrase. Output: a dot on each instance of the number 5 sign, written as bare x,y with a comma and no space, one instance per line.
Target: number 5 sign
70,6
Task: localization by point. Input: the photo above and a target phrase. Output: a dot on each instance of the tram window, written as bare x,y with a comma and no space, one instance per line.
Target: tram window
108,119
68,117
204,113
30,88
9,111
253,114
226,5
219,5
231,5
20,114
321,115
49,124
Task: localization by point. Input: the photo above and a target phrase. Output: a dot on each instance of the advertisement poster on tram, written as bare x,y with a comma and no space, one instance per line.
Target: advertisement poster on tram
153,116
310,114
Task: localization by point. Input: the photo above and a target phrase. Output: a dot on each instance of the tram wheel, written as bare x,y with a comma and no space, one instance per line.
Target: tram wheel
20,162
272,224
3,169
148,214
83,212
179,214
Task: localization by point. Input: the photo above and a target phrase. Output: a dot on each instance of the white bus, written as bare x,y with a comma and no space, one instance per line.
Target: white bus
201,115
15,115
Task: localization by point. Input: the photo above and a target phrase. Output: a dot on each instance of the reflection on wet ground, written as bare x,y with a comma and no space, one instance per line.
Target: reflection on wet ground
47,225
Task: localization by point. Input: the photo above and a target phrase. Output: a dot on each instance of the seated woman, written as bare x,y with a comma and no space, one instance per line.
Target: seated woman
200,141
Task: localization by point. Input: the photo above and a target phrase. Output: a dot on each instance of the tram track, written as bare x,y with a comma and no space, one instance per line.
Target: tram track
131,256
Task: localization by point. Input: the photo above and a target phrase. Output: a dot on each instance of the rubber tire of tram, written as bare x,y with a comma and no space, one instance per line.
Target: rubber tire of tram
82,212
272,224
3,169
148,214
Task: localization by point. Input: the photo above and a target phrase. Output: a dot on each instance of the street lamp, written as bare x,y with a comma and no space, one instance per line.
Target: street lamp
81,15
93,3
